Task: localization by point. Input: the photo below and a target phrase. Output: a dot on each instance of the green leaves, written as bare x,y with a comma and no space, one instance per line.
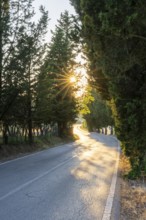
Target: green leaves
99,114
21,52
114,32
55,91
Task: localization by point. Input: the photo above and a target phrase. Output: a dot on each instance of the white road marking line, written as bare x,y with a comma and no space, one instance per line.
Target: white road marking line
19,158
29,155
35,179
110,198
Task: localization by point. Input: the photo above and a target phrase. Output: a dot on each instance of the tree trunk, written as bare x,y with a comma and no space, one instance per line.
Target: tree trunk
98,130
59,129
5,134
62,129
1,56
111,130
30,136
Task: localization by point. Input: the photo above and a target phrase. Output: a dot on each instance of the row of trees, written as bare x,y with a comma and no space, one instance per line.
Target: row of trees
20,50
36,93
99,116
34,76
96,111
115,34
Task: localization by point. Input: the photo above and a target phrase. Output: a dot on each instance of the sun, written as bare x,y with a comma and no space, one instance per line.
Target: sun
72,79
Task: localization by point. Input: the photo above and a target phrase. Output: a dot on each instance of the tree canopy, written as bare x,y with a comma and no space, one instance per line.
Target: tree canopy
115,35
35,86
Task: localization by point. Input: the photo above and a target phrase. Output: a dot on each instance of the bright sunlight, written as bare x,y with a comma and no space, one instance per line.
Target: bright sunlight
73,79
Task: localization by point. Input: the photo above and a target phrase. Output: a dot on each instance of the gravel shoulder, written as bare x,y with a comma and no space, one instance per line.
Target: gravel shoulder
133,200
133,195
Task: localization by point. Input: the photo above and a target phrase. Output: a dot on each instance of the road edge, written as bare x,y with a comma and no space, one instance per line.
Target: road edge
112,207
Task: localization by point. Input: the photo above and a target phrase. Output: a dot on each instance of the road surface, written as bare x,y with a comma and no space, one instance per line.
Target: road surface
69,182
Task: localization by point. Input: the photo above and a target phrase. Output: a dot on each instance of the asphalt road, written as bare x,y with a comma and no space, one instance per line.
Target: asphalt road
69,182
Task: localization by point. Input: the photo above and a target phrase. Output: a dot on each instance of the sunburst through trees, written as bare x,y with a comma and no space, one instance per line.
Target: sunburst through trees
59,75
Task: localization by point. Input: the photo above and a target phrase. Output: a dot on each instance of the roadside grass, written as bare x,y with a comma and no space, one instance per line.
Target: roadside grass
133,194
17,149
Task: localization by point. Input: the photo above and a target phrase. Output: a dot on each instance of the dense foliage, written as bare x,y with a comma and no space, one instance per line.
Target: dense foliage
115,34
21,45
36,95
56,100
99,116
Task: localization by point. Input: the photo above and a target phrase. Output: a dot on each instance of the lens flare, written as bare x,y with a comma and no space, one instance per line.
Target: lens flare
72,79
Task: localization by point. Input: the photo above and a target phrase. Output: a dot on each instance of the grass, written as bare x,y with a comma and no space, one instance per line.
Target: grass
14,150
133,194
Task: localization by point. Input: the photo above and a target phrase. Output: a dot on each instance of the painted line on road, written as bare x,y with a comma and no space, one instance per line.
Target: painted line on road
31,154
35,179
19,158
110,198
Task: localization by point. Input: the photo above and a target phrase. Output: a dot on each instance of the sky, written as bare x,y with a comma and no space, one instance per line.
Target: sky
54,7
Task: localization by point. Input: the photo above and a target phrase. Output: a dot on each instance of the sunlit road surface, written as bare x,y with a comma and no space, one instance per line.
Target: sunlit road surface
69,182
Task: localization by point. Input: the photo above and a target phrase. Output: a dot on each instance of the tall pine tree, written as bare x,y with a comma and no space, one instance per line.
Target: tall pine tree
20,55
57,91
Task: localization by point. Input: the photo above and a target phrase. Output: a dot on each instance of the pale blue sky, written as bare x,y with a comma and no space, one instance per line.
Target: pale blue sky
55,7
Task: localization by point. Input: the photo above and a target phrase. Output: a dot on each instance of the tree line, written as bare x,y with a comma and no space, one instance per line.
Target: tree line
35,90
37,97
115,36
